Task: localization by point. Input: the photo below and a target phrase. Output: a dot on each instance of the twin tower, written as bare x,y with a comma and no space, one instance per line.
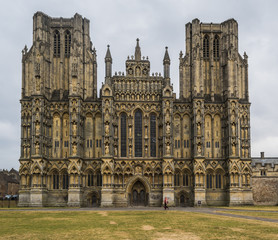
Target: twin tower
136,143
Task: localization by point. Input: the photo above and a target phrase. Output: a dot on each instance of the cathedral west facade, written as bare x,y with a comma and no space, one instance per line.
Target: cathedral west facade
136,143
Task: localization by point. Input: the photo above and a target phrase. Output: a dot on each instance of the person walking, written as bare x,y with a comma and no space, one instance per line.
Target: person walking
165,203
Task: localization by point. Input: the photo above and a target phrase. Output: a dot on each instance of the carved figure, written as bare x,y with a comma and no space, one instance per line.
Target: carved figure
37,146
199,128
74,129
107,129
106,149
168,149
168,128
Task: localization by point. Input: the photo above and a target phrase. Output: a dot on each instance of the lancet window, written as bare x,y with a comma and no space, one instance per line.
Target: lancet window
56,44
65,179
209,180
153,134
216,47
67,43
138,133
206,47
55,180
123,135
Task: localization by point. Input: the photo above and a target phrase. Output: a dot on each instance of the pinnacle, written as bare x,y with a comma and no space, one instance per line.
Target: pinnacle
166,56
108,54
137,51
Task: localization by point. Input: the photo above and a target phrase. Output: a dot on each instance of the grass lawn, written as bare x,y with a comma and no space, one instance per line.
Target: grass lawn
129,225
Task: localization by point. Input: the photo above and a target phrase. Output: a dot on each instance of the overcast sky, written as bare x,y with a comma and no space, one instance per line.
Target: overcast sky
157,23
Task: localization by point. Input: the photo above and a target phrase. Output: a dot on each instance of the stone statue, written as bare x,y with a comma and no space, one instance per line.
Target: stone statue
168,128
74,149
199,149
233,149
168,149
199,128
37,128
37,146
74,129
233,129
106,149
107,129
116,151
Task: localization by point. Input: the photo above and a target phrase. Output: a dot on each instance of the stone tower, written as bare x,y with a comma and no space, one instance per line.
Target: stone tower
59,73
135,144
214,79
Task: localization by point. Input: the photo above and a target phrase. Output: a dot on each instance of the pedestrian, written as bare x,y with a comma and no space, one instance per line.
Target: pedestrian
165,203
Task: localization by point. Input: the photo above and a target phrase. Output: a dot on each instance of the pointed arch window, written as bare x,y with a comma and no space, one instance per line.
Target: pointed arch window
56,44
90,179
177,179
138,133
216,47
99,179
185,179
153,134
206,47
218,180
55,180
67,43
209,180
123,135
65,178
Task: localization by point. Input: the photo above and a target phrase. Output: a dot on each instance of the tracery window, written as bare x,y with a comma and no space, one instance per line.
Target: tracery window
65,179
185,180
56,44
218,180
206,47
55,180
186,143
153,134
99,179
67,43
123,135
138,133
90,179
177,179
216,47
209,180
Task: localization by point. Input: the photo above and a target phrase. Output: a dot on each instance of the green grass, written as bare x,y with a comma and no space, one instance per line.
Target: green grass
129,225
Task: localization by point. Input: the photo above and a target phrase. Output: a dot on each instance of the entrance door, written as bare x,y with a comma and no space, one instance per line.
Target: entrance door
138,197
184,201
94,201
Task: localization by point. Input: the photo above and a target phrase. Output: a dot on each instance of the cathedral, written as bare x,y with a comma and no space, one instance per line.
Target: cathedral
136,143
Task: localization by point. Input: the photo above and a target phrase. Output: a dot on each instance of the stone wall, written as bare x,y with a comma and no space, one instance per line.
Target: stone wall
9,182
265,190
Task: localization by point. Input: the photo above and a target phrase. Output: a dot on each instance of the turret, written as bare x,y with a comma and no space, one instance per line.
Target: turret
108,64
166,64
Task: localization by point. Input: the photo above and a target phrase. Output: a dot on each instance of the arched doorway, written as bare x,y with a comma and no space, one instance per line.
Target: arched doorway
138,194
92,200
184,200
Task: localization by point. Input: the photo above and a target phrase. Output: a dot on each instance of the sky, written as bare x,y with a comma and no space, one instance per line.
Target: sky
157,23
